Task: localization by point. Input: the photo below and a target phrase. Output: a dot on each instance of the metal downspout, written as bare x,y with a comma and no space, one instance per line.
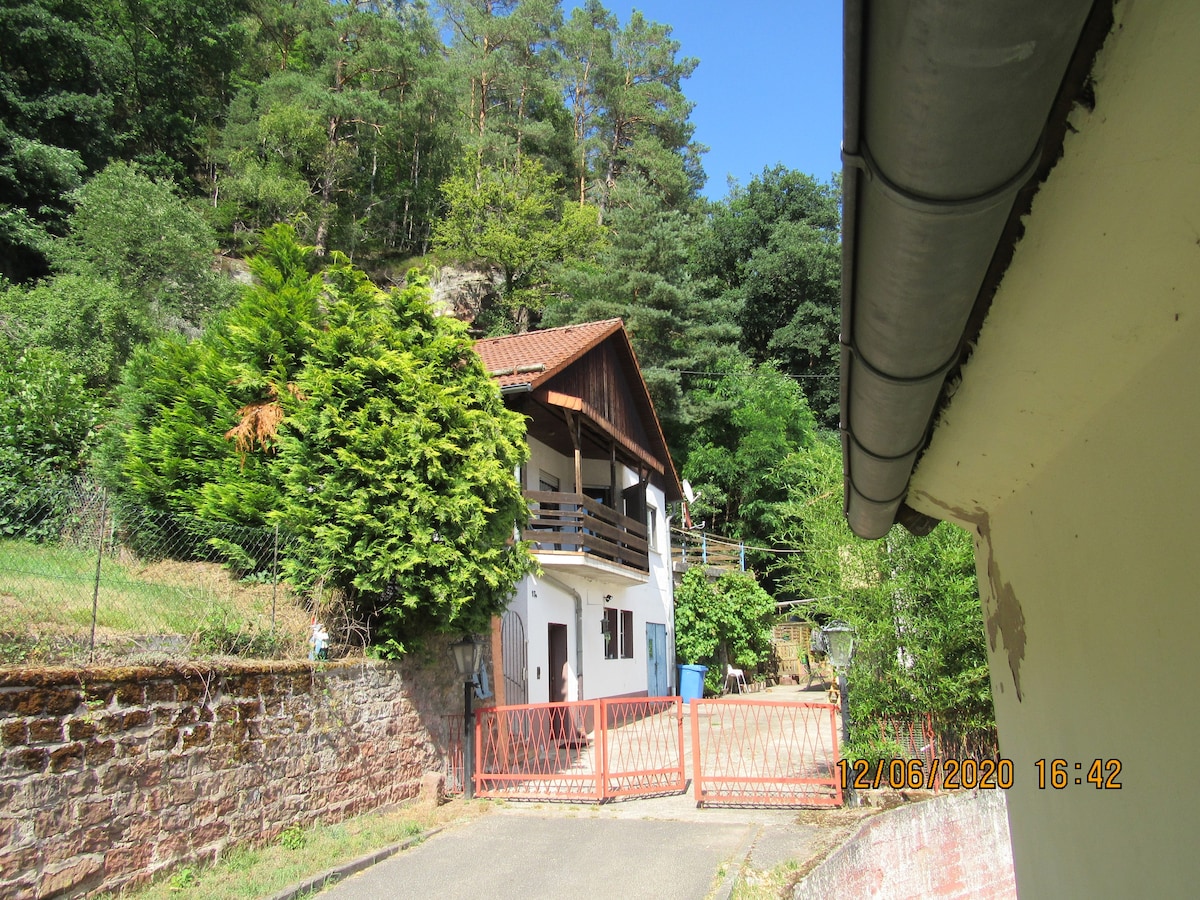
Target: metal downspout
566,588
945,107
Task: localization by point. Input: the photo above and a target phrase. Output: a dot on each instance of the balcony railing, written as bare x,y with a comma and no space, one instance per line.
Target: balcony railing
578,524
692,548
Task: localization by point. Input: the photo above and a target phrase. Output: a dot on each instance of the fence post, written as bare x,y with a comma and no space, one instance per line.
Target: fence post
742,555
96,583
601,732
704,548
274,576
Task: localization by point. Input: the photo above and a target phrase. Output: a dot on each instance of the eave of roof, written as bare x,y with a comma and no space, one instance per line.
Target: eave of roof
536,356
951,123
524,362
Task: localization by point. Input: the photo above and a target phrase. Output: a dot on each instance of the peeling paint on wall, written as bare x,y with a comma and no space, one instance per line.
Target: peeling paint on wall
1003,616
1002,613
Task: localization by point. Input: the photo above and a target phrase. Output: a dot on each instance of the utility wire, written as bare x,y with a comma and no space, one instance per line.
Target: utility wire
729,542
747,374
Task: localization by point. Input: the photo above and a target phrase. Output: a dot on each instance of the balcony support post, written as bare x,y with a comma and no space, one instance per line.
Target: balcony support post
574,426
613,491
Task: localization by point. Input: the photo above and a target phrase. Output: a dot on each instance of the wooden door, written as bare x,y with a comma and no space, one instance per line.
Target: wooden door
556,640
559,672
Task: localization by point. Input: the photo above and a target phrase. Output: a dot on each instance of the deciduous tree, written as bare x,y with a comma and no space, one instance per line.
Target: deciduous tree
516,221
47,418
914,602
141,235
726,622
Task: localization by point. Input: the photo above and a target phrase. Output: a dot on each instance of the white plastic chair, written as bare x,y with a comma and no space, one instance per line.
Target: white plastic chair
737,676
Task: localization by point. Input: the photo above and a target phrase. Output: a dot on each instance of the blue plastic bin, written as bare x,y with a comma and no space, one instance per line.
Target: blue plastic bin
691,682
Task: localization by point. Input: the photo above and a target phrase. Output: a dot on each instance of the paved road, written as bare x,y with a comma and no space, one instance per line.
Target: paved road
663,848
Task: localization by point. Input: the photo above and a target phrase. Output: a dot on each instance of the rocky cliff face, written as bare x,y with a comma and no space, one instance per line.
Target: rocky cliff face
464,292
458,291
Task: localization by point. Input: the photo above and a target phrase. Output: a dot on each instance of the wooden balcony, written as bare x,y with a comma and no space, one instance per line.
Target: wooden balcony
575,533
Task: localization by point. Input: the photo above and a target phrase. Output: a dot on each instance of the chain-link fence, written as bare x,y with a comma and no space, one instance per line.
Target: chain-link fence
84,579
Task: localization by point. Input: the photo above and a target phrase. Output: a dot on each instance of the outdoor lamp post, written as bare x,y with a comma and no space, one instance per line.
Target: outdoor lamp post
839,639
467,655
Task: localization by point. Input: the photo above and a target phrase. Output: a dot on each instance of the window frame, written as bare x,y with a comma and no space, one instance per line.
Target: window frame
616,627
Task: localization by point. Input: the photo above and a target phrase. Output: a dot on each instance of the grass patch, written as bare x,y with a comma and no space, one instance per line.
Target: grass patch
769,885
251,873
47,593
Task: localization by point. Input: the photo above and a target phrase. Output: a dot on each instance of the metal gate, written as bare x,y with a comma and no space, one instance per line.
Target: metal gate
514,651
586,750
764,753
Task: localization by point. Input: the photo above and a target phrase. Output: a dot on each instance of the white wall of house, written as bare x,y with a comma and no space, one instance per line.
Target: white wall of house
543,602
543,459
546,599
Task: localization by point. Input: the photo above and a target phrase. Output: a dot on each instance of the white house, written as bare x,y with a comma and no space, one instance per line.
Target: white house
598,621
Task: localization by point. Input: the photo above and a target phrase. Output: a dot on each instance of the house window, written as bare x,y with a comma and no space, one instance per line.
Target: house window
617,628
652,527
602,495
610,628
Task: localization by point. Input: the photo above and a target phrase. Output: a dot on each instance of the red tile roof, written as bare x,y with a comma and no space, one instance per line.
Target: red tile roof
533,357
536,356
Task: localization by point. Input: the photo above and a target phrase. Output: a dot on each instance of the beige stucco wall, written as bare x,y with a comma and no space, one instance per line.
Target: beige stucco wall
1072,450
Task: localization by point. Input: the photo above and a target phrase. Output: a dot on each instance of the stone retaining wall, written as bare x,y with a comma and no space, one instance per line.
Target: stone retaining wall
954,845
108,775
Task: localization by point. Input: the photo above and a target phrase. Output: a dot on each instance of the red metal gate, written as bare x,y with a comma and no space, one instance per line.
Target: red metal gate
586,750
763,753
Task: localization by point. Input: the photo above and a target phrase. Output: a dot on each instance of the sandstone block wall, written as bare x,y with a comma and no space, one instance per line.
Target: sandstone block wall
109,775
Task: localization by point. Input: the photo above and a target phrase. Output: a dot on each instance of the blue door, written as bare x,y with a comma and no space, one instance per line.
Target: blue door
656,660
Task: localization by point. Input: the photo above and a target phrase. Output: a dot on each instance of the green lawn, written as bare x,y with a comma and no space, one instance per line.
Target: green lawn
47,593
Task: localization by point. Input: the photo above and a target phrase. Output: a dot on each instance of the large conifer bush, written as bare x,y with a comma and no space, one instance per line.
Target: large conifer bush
354,418
398,466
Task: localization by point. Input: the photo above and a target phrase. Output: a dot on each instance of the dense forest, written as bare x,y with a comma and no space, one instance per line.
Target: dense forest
208,213
551,150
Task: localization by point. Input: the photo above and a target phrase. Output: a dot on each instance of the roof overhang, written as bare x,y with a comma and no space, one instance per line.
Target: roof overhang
526,366
954,114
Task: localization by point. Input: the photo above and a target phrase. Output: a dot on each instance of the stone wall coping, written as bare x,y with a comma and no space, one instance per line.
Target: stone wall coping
43,676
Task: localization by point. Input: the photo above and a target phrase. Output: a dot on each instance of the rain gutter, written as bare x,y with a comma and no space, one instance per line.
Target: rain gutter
950,112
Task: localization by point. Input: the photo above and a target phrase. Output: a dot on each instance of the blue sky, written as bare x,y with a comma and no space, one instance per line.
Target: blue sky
769,85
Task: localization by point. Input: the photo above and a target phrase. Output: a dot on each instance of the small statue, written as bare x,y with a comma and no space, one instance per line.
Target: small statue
318,642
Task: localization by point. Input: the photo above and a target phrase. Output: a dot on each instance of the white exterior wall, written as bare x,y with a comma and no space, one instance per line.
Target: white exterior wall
543,459
548,603
542,600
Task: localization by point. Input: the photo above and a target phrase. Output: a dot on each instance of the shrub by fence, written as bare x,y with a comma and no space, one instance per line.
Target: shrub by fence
82,580
930,737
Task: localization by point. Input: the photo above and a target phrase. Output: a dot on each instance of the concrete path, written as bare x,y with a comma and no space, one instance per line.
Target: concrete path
660,848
